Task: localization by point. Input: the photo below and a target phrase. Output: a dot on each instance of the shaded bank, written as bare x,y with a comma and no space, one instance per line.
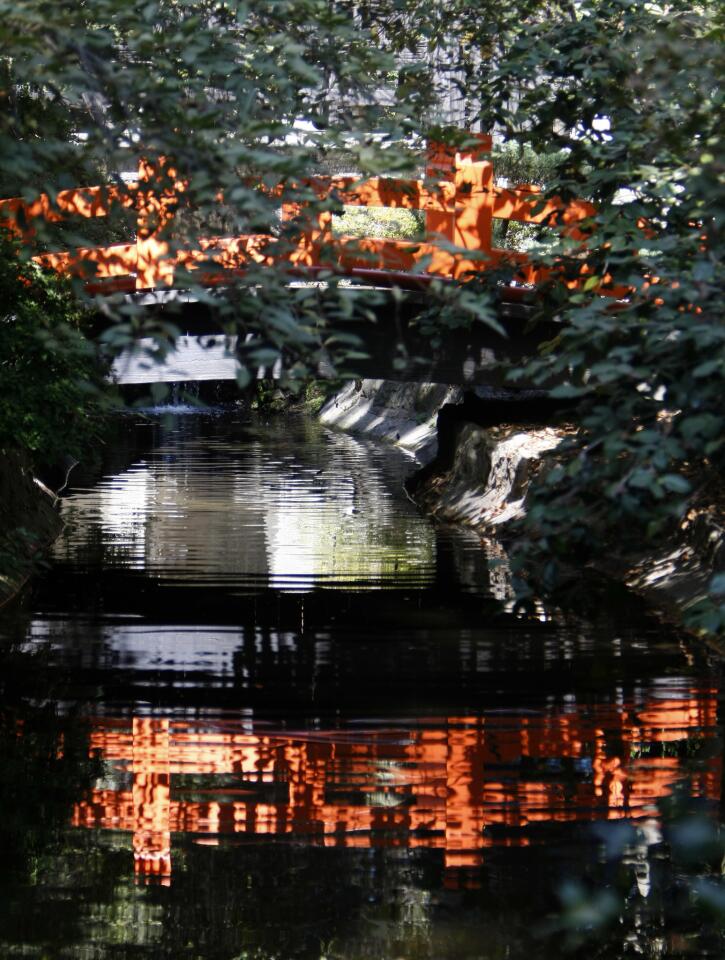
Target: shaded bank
29,521
30,515
479,450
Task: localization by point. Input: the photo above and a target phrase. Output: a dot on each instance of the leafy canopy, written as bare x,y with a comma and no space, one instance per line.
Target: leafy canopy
620,99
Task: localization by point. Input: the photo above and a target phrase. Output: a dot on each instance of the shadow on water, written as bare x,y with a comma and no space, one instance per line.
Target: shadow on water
260,707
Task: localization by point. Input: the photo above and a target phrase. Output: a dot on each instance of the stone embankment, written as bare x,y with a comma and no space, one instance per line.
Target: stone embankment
478,452
476,455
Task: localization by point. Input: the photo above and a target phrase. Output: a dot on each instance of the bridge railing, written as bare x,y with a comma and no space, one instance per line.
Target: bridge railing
459,196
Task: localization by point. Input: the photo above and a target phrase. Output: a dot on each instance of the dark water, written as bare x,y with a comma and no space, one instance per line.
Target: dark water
259,707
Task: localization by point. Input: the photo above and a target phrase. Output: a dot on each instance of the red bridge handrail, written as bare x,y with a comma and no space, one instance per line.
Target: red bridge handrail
459,196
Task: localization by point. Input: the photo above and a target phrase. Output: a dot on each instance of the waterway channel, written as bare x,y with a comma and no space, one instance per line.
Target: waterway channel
258,706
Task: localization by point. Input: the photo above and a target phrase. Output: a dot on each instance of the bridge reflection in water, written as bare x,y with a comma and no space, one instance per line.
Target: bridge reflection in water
460,784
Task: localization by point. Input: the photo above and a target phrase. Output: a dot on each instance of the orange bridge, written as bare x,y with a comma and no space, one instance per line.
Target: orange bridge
459,196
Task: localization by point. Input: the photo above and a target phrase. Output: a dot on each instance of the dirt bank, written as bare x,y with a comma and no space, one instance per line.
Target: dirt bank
29,521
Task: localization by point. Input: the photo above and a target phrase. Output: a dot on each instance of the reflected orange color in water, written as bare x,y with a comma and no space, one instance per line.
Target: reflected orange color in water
151,798
437,786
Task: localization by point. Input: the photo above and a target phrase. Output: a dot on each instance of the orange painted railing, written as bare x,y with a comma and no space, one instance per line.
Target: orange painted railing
459,196
448,785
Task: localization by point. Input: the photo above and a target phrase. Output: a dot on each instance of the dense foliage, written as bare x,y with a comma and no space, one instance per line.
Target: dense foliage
629,92
246,98
619,101
52,394
622,101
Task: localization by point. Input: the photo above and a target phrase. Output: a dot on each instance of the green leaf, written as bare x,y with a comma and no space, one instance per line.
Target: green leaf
244,378
675,483
717,585
567,391
708,367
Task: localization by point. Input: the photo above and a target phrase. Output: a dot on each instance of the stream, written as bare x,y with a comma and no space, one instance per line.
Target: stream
258,706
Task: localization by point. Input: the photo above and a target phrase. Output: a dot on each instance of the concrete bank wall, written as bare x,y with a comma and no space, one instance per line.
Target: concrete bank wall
479,454
404,414
475,476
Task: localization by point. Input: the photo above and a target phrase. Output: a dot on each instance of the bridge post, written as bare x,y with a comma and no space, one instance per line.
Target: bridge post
469,224
474,205
440,165
154,265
